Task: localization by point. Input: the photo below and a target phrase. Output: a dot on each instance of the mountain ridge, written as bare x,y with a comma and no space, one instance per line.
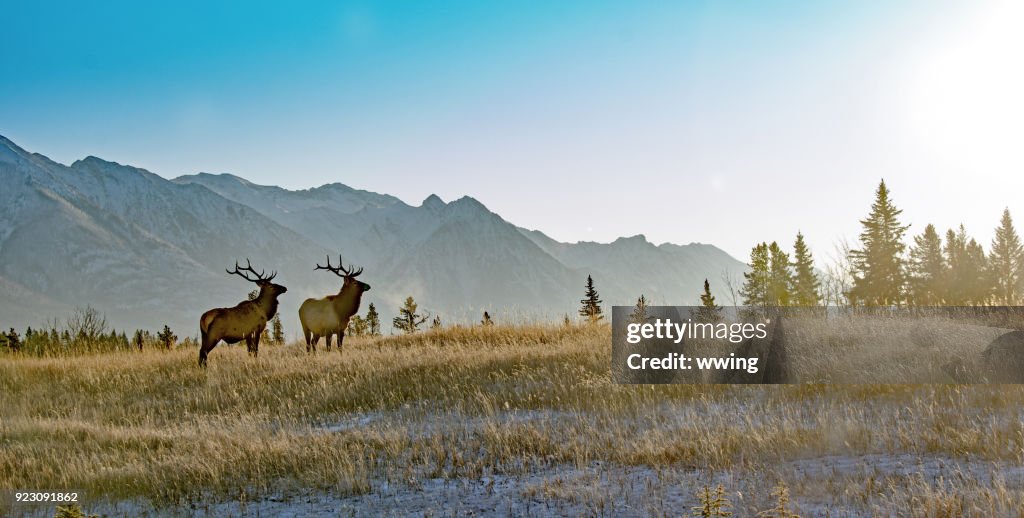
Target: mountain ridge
153,250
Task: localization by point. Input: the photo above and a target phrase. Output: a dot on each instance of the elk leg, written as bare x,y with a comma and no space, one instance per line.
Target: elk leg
205,349
341,338
308,336
256,341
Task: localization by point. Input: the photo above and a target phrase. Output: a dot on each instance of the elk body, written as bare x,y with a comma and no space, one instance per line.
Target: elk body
246,321
329,316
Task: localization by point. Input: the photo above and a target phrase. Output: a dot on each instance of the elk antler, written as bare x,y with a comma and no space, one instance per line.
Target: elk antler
340,269
260,277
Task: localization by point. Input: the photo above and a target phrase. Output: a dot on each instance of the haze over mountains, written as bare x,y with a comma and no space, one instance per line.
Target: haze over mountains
148,251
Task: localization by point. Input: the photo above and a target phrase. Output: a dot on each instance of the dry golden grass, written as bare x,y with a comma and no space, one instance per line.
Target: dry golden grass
873,349
462,403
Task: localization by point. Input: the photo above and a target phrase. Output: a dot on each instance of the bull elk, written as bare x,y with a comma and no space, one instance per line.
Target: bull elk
329,316
247,320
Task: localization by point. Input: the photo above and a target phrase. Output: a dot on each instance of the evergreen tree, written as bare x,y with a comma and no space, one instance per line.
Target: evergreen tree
806,285
927,269
877,266
968,279
436,323
639,314
756,287
408,320
955,251
591,303
254,294
486,321
708,312
780,284
372,321
979,281
13,340
1006,262
278,329
138,339
166,337
357,326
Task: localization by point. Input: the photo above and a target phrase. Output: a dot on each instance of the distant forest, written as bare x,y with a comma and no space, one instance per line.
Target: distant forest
884,271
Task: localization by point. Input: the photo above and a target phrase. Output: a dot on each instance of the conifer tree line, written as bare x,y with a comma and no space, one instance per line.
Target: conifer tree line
365,326
778,279
949,270
85,330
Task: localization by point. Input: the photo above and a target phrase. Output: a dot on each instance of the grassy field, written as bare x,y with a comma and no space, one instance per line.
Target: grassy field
507,420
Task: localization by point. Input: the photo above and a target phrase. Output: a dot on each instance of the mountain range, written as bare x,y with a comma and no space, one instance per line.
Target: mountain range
148,251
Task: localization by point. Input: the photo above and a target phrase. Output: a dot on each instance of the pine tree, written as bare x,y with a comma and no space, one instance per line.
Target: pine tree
436,323
780,284
878,270
372,321
756,285
278,329
806,285
708,312
955,252
166,337
408,320
591,303
968,279
979,281
1006,262
12,340
927,269
486,321
138,339
356,326
639,314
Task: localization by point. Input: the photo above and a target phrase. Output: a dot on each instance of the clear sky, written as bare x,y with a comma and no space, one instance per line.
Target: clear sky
719,122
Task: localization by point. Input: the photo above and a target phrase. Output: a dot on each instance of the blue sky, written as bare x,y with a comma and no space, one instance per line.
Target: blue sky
727,123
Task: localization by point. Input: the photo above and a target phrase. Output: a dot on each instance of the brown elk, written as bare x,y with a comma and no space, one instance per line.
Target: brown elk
247,320
329,316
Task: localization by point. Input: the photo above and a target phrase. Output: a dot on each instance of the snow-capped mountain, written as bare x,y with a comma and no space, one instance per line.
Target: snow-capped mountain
149,251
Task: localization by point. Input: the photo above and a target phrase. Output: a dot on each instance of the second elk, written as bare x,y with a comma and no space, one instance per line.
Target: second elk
329,316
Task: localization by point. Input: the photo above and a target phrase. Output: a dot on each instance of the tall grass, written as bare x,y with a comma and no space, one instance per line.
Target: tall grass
454,403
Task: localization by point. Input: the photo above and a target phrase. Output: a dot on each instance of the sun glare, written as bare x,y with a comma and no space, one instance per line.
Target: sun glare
967,98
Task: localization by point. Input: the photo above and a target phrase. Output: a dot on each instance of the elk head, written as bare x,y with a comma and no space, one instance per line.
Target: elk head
260,279
348,274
